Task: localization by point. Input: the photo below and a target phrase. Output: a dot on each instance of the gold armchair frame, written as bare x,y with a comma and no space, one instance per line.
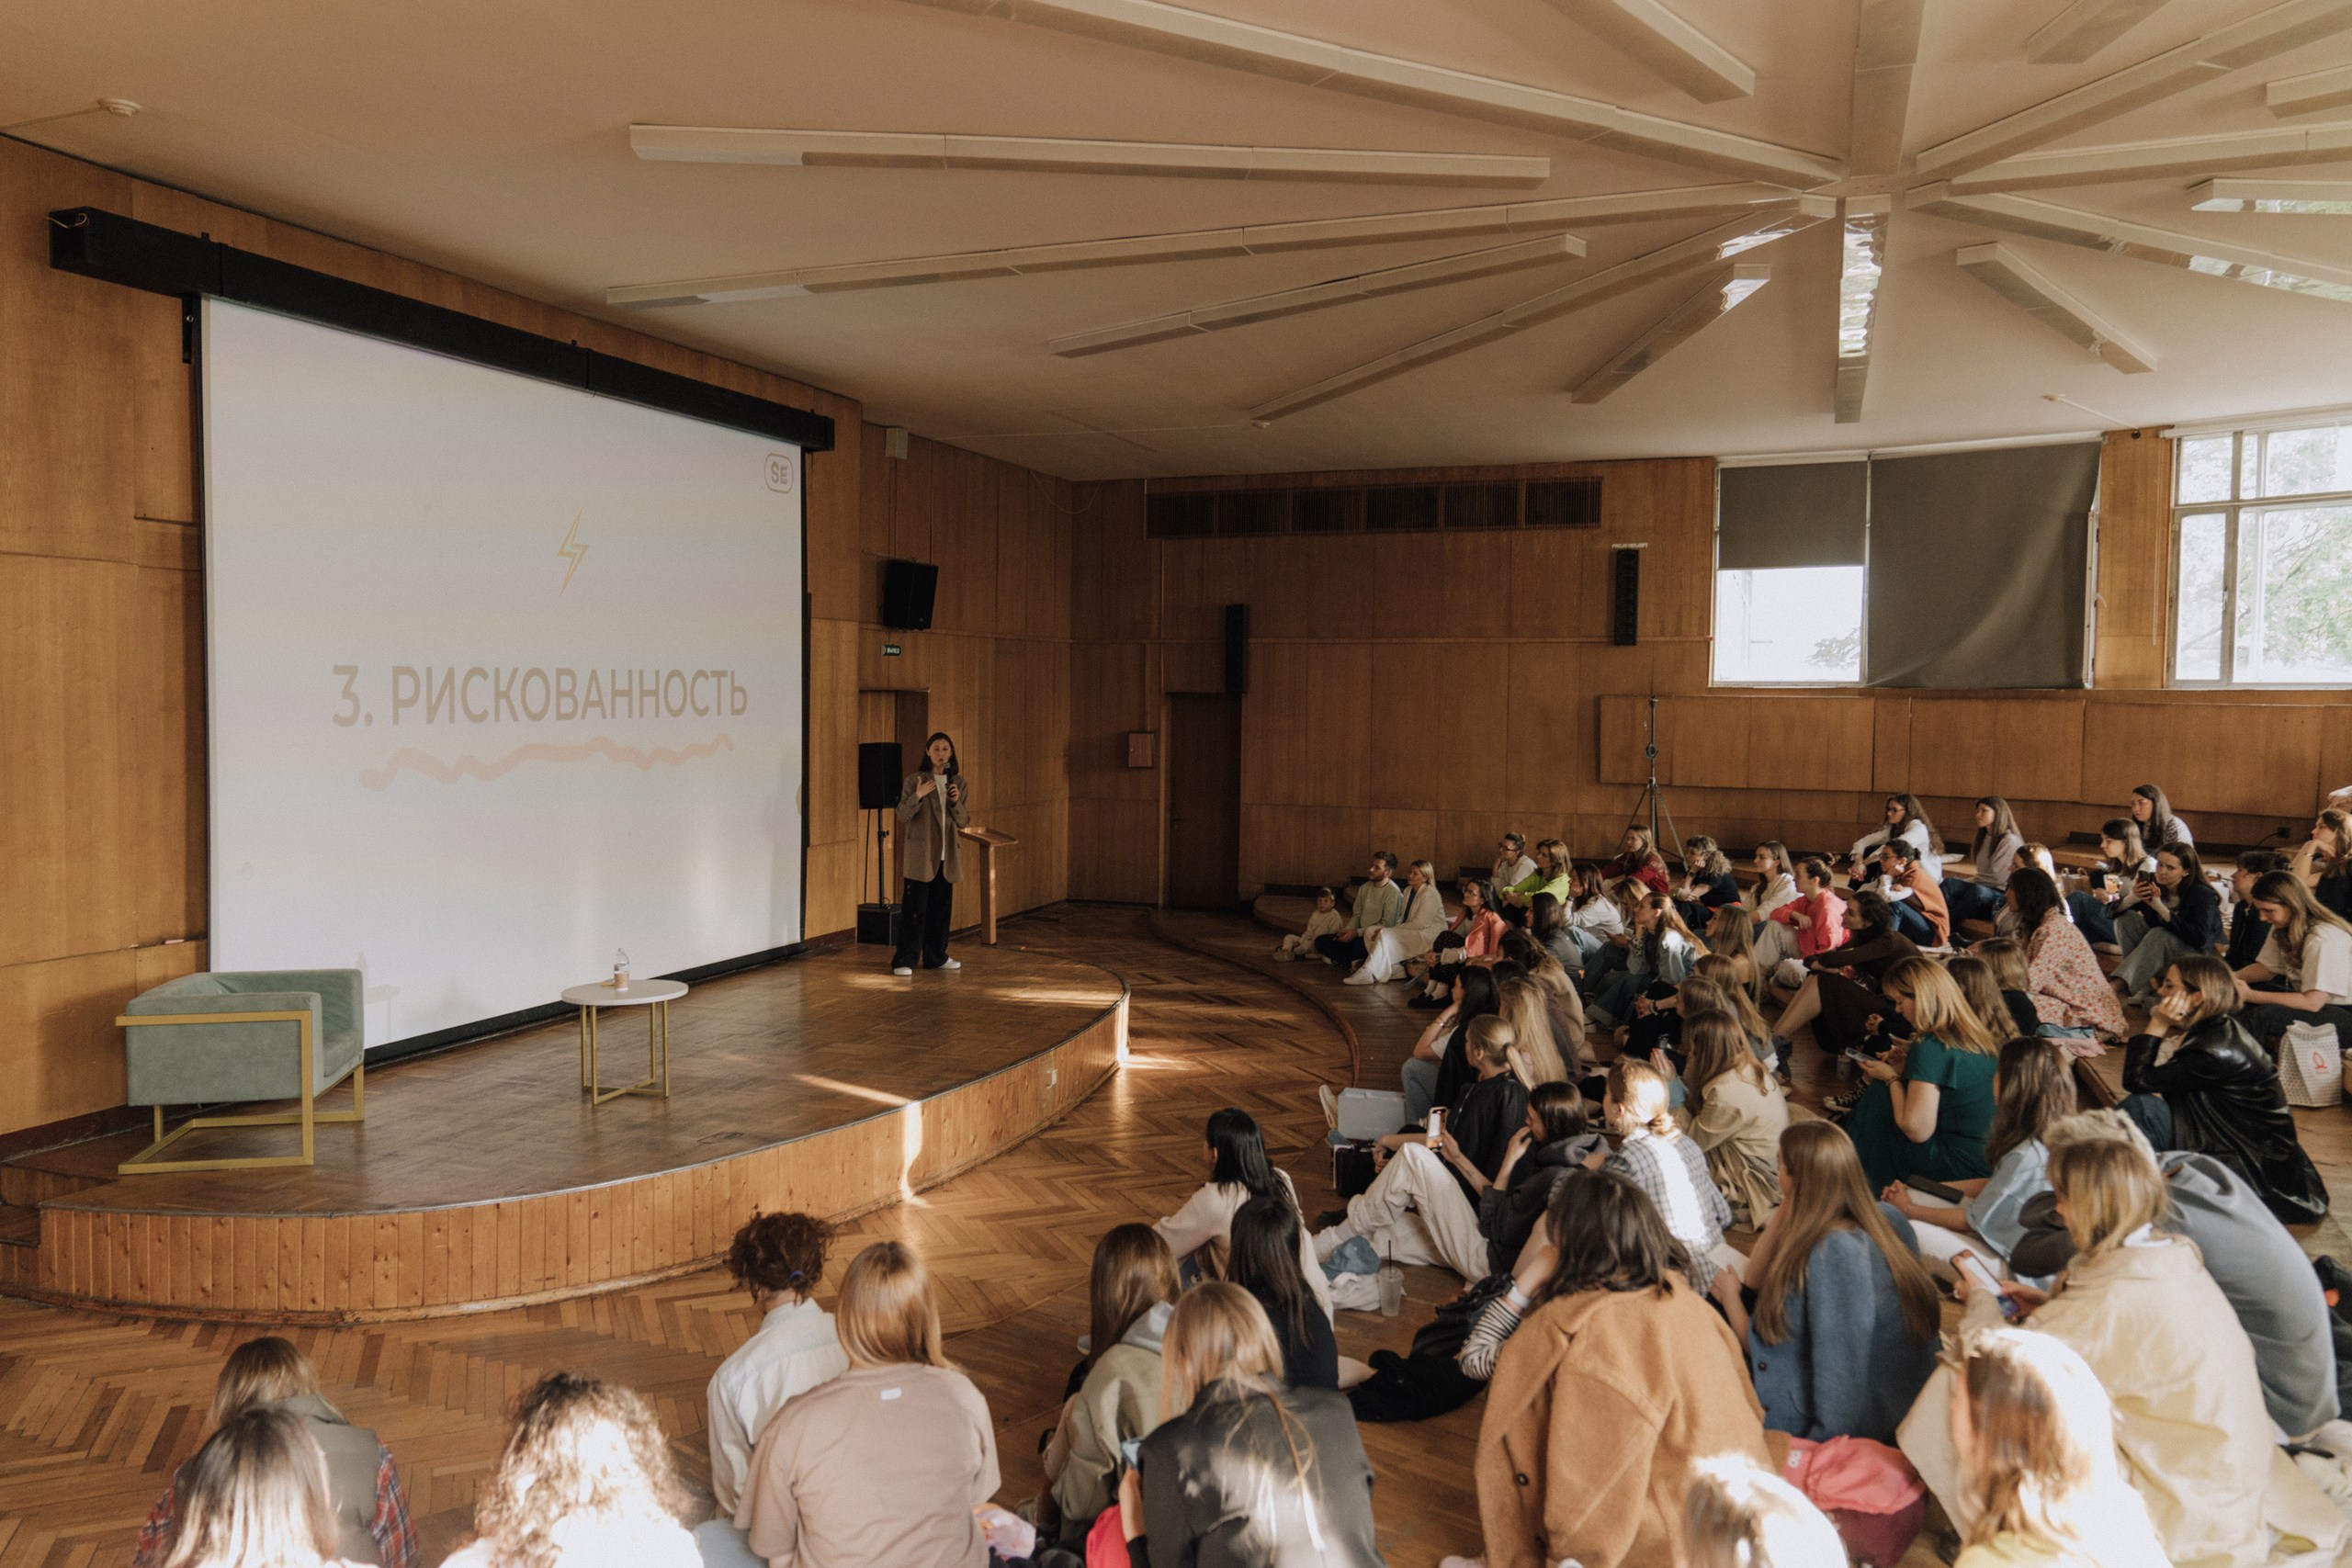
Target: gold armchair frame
146,1161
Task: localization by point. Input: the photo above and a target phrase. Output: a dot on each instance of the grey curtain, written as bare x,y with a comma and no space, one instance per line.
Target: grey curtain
1978,563
1792,514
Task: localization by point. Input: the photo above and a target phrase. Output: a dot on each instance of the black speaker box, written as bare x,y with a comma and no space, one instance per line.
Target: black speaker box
877,925
908,589
1626,601
1236,650
879,773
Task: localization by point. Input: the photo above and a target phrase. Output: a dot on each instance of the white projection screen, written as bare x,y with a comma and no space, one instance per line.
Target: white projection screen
504,676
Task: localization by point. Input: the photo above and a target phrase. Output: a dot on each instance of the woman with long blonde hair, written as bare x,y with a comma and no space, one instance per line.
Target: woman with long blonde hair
890,1460
254,1496
2325,861
1737,1111
2034,1431
2304,975
1740,999
1981,989
1731,936
1534,1054
1740,1514
1264,1472
1930,1116
1566,1008
1660,952
584,1470
1844,1331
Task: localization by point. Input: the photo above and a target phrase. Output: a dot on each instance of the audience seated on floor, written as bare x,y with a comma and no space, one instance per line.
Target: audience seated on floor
584,1479
2153,814
1326,920
256,1493
1915,898
1840,998
1802,927
2125,866
2196,1081
1736,1111
1621,1377
2260,1268
1379,904
1422,1206
1512,862
1542,1051
1929,1113
1659,951
1637,861
2031,1434
883,1466
1774,889
1907,819
2249,932
1992,855
1437,1068
1731,936
1557,1138
1706,884
2324,859
2003,959
2069,992
1419,917
1592,919
1552,874
1265,1262
1235,1444
2304,972
2191,1427
1843,1331
1131,1291
2178,914
780,1259
1238,1170
2033,1088
368,1505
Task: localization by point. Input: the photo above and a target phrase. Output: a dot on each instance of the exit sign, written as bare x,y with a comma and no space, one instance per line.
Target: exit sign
889,650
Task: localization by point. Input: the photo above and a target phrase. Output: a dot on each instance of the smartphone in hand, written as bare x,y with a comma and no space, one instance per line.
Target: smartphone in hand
2011,1308
1129,1450
1437,1127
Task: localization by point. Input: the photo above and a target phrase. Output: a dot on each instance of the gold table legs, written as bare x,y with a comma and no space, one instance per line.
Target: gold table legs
657,1056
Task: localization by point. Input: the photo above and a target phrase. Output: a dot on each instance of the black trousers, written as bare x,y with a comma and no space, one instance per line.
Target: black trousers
1343,951
923,923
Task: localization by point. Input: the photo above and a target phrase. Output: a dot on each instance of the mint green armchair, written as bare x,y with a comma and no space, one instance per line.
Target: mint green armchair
216,1038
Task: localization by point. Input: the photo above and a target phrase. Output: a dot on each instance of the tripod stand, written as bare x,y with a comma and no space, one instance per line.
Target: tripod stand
1653,798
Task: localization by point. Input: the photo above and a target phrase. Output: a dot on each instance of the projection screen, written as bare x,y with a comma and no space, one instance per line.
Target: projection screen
504,676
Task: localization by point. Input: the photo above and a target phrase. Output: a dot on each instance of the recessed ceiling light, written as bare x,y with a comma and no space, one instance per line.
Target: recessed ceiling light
122,107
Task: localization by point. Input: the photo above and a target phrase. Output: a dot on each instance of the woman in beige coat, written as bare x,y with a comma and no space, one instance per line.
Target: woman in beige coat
1619,1378
2193,1434
935,807
1131,1293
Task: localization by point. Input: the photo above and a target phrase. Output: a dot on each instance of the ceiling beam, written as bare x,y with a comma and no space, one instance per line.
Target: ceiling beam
2263,36
1863,260
2161,158
1721,295
2324,199
2085,27
2031,289
1720,244
1293,57
1671,48
2330,89
1886,48
1545,252
1520,218
2093,231
922,149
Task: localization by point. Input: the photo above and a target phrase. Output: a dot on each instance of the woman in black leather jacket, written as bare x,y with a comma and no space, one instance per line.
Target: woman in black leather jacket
2217,1093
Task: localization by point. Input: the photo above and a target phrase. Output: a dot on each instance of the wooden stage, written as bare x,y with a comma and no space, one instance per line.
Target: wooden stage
483,1177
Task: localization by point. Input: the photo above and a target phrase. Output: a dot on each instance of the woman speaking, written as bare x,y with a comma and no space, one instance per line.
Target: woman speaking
934,803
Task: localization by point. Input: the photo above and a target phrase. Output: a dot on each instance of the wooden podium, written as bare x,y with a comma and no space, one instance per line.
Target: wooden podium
990,841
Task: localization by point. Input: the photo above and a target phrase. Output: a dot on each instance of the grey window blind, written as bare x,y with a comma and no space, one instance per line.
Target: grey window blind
1791,515
1978,567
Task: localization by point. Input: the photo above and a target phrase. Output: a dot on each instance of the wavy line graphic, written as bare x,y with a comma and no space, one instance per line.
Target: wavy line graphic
434,768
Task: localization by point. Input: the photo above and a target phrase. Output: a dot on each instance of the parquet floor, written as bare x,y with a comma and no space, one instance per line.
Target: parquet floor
95,1412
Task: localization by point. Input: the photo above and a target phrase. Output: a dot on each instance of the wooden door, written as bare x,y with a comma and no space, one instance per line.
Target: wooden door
1204,801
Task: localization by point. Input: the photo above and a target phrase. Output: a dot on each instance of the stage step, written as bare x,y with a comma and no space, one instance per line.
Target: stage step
30,1180
19,1225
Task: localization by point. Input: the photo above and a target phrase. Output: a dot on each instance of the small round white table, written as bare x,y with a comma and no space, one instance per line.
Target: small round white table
655,996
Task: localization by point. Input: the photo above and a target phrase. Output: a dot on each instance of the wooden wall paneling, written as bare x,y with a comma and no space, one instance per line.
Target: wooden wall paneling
1412,835
1407,763
2335,749
830,514
59,1052
164,427
1111,695
66,629
1702,740
834,723
1891,745
1545,715
1019,598
1115,589
2024,748
877,476
2258,760
1549,586
65,420
166,832
1274,765
1623,726
2134,569
1810,743
1473,768
1340,730
1197,667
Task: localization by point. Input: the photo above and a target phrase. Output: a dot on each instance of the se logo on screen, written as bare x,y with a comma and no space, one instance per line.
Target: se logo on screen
780,472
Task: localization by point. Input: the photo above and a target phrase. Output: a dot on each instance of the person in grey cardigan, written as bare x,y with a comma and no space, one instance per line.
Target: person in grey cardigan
2260,1266
1843,1333
1992,855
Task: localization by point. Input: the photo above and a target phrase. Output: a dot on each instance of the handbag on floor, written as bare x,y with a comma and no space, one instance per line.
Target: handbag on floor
1427,1381
2311,1064
1351,1170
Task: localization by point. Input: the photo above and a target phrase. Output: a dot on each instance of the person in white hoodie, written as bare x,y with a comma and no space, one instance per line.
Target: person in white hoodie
1413,934
1238,1170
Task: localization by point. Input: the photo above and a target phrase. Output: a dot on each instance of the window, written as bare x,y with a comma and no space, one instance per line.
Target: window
2262,565
1788,625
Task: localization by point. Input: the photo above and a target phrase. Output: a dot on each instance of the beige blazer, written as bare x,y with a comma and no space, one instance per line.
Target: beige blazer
919,827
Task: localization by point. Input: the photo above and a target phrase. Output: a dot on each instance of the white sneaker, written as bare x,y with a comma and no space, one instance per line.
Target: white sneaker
1331,1240
1360,977
949,963
901,969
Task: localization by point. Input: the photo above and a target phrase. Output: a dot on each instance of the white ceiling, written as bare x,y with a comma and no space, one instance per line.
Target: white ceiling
494,141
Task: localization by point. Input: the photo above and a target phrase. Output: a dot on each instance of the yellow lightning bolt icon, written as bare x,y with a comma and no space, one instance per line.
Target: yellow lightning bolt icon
571,549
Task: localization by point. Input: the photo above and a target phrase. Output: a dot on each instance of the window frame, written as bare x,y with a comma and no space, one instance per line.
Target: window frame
2232,511
1828,683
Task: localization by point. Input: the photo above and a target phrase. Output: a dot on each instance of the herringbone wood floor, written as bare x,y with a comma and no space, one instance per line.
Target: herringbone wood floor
95,1412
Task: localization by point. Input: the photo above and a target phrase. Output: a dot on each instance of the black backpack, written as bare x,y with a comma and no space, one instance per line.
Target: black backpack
1427,1380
